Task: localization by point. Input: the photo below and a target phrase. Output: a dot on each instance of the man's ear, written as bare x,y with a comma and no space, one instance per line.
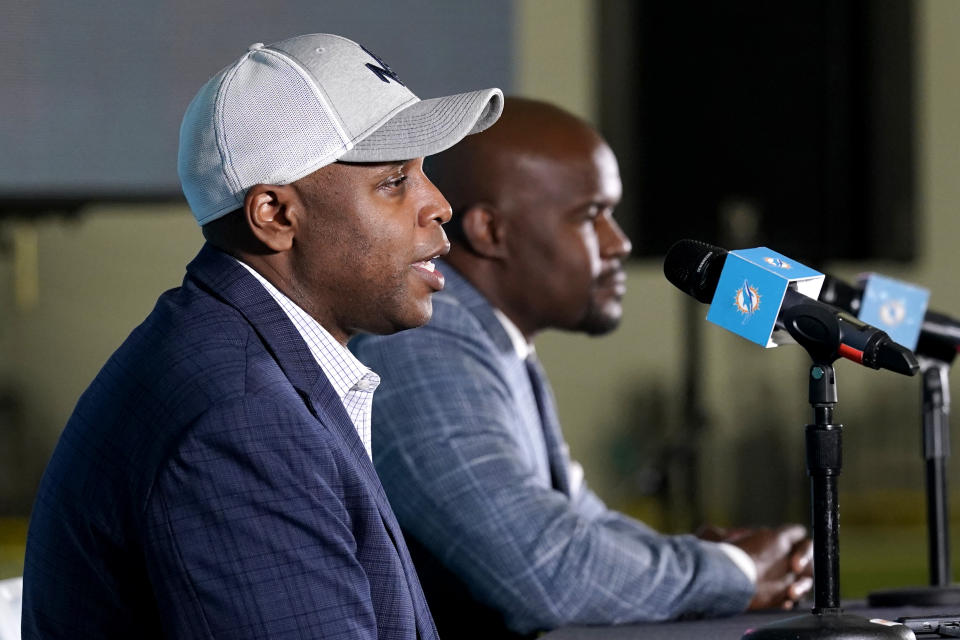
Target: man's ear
272,214
484,230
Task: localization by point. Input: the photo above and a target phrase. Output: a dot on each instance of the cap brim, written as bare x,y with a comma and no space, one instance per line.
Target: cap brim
429,126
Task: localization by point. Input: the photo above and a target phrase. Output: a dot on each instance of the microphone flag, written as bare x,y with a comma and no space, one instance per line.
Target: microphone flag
750,293
896,307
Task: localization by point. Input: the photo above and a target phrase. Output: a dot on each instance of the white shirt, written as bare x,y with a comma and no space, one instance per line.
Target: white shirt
353,382
524,349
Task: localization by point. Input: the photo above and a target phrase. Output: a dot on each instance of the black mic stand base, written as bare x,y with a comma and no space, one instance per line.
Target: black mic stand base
929,596
824,461
830,626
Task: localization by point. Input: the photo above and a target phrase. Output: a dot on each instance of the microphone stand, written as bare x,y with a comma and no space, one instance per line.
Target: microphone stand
826,621
935,373
936,450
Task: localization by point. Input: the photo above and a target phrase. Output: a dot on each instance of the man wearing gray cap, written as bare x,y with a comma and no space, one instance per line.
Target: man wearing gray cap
215,478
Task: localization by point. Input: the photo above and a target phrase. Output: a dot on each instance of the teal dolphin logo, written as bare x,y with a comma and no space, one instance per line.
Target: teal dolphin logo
777,262
747,299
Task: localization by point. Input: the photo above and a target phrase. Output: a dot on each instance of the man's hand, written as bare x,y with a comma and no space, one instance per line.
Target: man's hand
784,559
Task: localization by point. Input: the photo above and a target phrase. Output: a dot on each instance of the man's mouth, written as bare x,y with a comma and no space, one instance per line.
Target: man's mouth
427,265
428,271
615,279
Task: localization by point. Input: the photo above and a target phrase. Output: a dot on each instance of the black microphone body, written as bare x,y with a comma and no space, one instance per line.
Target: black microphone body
939,333
825,331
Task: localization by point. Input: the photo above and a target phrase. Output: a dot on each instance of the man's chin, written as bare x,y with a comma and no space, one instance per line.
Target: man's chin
408,316
415,316
600,321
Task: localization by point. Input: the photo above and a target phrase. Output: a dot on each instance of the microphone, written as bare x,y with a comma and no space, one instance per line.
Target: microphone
939,336
825,331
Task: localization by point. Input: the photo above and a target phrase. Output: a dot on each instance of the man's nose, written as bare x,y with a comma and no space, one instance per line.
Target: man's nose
435,206
614,243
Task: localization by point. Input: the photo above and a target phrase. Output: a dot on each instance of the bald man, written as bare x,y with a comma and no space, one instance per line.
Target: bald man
466,438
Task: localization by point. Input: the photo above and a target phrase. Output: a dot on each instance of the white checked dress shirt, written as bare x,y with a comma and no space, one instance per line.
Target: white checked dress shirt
353,382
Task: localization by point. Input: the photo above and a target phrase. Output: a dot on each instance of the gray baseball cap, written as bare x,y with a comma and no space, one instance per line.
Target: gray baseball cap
284,110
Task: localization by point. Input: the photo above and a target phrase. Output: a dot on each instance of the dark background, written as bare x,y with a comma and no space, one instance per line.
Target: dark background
784,124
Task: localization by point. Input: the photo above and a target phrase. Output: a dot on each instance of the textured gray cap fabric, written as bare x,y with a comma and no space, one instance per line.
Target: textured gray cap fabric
283,111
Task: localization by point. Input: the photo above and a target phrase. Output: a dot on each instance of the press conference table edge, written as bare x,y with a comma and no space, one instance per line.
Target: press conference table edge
731,628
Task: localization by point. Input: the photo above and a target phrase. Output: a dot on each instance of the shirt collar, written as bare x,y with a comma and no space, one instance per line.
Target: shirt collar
340,366
522,348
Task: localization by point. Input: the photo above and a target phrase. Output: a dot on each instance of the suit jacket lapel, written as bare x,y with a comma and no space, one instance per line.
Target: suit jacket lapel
557,456
220,274
225,278
467,295
556,451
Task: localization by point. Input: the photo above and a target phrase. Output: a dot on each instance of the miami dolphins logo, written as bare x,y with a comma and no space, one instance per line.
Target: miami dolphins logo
893,312
777,262
747,299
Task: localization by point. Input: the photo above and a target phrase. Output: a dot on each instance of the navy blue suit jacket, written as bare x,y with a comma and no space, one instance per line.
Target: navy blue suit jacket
210,484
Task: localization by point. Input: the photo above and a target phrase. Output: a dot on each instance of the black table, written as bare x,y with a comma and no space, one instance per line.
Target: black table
724,628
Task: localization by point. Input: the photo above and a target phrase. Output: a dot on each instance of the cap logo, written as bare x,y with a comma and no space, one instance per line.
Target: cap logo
384,72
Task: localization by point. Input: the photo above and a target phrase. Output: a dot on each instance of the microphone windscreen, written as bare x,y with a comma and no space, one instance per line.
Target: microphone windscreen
694,267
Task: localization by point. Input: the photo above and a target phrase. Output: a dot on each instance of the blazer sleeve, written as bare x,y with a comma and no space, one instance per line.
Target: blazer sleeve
458,483
247,534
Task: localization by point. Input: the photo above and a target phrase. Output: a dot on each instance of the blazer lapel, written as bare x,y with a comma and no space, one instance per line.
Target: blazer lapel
467,295
557,457
220,274
552,437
